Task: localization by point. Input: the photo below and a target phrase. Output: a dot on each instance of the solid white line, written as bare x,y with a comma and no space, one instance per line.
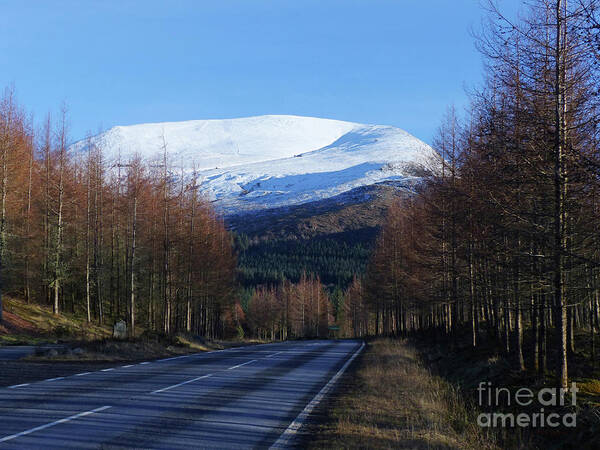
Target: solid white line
48,425
181,384
107,370
276,353
55,379
18,385
82,374
240,365
284,440
128,365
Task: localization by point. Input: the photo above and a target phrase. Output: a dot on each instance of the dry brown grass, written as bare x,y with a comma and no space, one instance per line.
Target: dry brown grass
30,324
591,387
390,400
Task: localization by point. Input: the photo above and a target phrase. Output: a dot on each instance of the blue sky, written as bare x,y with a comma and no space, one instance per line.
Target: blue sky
395,62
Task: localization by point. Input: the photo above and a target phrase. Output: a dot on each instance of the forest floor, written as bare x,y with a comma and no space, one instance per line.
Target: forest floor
388,399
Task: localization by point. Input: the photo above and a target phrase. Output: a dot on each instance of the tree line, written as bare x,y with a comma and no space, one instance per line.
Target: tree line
290,310
108,239
503,238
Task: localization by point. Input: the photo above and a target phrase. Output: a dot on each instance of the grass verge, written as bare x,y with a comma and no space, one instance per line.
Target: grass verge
388,399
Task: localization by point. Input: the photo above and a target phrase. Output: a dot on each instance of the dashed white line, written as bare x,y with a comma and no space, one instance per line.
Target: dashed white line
147,362
270,356
181,384
48,425
127,366
55,379
18,385
240,365
174,357
82,374
107,370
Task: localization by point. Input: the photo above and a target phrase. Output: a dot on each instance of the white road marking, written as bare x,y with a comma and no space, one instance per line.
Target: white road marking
285,439
128,365
55,379
181,384
276,353
18,385
107,370
174,357
82,374
48,425
147,362
240,365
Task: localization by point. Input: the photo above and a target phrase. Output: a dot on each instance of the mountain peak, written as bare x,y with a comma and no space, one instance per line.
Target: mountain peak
270,161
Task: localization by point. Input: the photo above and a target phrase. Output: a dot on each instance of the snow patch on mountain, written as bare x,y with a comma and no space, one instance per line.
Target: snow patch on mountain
264,162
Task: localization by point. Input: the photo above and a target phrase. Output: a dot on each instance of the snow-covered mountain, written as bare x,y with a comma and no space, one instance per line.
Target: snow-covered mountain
257,163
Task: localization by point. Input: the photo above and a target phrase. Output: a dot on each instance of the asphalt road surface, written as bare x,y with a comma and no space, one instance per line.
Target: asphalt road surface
13,352
248,397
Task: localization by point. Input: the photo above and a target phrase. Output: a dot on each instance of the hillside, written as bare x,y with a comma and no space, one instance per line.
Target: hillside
333,238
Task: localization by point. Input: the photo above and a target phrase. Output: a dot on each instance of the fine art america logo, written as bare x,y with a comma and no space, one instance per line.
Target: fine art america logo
534,417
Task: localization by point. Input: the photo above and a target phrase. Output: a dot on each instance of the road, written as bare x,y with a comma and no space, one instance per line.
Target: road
248,397
13,352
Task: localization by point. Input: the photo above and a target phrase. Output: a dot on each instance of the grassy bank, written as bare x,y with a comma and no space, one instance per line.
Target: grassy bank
31,324
455,360
389,399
